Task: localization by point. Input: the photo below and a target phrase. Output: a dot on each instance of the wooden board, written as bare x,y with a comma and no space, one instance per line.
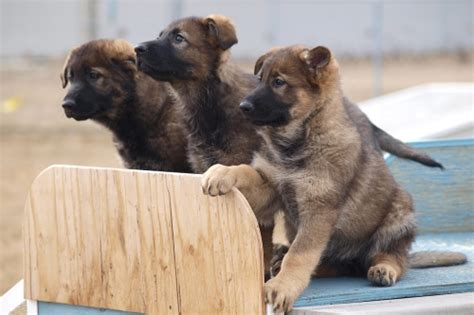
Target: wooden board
140,241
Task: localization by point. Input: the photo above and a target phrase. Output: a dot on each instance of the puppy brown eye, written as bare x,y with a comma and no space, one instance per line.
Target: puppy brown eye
278,82
179,38
94,75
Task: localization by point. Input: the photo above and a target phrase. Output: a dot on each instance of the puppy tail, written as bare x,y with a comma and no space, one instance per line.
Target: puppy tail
396,147
428,259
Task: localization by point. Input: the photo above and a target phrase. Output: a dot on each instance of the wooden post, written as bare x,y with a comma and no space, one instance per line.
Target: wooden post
140,241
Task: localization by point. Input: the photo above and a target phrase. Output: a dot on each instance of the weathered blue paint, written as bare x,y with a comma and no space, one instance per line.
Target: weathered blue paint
444,200
46,308
417,282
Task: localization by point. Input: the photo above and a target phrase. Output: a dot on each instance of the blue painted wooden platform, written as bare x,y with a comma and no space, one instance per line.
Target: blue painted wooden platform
66,309
444,200
417,282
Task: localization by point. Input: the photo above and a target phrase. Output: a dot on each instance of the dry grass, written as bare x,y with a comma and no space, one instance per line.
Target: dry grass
37,134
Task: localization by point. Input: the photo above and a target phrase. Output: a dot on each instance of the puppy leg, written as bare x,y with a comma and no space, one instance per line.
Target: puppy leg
386,269
389,261
281,240
313,234
220,179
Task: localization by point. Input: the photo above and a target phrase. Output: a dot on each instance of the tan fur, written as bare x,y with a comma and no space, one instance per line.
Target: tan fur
224,29
427,259
386,269
243,177
280,235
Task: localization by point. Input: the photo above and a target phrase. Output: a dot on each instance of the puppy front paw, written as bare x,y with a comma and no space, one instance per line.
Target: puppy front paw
218,180
280,295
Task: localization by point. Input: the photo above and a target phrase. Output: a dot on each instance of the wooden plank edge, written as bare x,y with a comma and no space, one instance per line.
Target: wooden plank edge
459,303
393,294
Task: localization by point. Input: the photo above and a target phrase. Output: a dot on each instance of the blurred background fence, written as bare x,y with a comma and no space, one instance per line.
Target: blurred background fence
353,28
349,28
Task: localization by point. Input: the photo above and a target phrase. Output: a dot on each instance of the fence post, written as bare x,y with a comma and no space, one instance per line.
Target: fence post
377,52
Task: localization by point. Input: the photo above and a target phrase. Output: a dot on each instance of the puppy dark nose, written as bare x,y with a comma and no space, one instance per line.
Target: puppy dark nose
246,106
140,49
69,104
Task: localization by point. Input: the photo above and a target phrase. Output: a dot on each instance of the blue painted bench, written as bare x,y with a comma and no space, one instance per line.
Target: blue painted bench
444,202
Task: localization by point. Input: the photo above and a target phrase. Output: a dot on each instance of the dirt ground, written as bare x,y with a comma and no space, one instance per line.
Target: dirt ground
36,134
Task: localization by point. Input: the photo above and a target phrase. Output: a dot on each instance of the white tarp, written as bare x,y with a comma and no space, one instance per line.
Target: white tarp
429,111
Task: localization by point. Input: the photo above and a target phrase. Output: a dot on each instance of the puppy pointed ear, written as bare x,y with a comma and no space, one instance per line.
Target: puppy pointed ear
122,54
63,75
260,61
221,28
317,58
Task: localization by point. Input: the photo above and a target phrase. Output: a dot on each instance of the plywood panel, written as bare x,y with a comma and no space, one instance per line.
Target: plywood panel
140,241
213,244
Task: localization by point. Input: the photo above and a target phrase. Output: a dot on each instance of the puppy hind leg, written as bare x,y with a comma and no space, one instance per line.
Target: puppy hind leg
391,243
386,269
389,264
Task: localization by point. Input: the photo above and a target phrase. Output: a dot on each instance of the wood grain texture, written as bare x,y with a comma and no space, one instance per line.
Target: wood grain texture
140,241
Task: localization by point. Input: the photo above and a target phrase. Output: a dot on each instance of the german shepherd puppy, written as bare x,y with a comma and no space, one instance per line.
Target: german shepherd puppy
106,87
192,55
342,206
